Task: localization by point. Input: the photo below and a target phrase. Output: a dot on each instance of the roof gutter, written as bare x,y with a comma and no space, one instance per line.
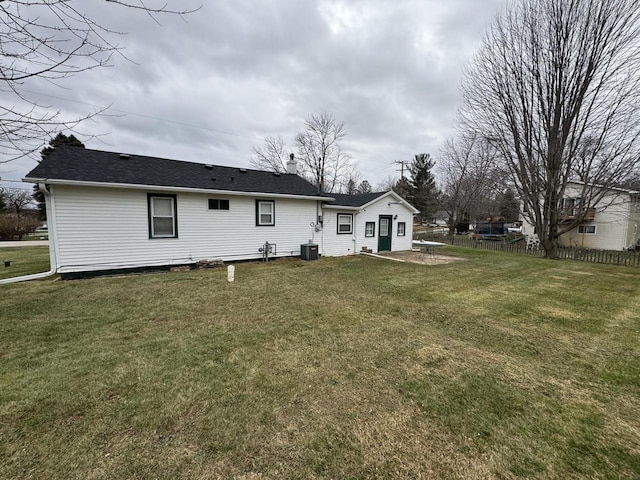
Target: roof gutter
137,186
339,207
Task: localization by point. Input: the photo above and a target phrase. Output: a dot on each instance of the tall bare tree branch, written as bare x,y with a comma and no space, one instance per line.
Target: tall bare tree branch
51,40
466,167
551,78
270,156
320,152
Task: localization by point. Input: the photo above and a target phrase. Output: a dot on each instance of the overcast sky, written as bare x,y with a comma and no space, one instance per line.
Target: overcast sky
210,87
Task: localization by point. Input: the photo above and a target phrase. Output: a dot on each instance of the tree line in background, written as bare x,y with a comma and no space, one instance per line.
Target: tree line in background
320,155
471,188
326,165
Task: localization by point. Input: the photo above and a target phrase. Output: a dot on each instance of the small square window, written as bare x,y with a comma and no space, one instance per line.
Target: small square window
265,213
345,223
370,229
401,229
587,229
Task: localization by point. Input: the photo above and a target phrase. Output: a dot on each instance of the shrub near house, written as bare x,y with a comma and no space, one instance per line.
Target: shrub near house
14,226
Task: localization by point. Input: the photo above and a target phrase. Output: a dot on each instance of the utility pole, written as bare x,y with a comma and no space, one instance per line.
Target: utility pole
402,165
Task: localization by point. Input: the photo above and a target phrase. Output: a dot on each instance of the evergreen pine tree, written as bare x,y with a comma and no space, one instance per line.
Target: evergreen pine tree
58,140
421,191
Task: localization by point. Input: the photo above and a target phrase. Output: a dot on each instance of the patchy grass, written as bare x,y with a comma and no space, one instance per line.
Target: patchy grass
24,261
501,366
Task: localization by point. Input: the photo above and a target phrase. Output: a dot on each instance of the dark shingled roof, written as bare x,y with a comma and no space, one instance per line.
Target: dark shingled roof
84,165
357,200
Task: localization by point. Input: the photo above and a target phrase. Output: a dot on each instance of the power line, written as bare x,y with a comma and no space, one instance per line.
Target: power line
402,165
142,115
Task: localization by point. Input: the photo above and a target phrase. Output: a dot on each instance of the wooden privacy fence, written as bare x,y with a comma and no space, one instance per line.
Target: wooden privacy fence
631,259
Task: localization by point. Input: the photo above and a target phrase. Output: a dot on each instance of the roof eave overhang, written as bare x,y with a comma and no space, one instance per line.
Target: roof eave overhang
603,187
339,207
165,188
399,199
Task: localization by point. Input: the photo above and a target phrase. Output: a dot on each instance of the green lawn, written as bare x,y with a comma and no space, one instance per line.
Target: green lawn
24,261
500,366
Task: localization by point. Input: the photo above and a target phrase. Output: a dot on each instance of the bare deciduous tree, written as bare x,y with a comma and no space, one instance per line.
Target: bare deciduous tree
349,181
16,199
50,41
14,226
551,78
386,184
270,156
320,152
364,187
466,167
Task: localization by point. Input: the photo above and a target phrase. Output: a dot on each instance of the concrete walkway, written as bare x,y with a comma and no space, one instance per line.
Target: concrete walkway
26,243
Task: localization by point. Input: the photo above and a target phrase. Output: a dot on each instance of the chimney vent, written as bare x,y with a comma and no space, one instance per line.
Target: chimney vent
292,165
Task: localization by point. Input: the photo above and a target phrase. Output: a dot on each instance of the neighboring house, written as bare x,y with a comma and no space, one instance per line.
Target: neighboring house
110,211
440,219
613,223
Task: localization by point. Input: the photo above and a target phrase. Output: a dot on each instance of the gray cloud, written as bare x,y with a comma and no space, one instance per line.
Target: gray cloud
212,86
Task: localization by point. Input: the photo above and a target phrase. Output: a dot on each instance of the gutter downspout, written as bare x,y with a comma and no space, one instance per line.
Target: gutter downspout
26,278
355,232
52,243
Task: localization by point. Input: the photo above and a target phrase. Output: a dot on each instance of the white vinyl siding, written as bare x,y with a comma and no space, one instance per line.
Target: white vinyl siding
334,244
372,214
613,223
104,228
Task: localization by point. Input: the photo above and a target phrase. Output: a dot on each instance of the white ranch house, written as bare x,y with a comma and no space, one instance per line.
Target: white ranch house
108,211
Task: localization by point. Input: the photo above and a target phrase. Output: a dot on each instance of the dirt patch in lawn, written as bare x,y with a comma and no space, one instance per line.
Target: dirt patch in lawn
423,259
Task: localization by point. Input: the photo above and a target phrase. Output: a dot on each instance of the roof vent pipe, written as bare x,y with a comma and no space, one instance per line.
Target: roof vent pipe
124,156
292,165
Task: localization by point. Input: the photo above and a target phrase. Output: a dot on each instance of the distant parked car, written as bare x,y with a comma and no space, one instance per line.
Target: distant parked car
635,247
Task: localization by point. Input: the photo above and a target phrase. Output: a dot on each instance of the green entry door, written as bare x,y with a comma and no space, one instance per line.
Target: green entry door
384,233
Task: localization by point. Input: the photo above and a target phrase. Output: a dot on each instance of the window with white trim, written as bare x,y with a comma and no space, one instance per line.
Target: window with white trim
370,229
402,226
345,223
163,220
587,229
265,213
